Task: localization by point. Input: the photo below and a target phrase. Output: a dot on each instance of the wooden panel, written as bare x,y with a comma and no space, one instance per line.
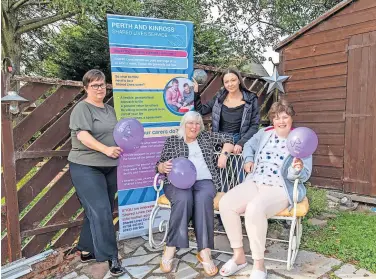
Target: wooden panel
327,105
55,133
360,151
336,150
211,89
324,128
40,180
311,84
42,208
4,250
47,141
318,72
43,114
314,61
315,95
326,182
68,237
327,172
315,50
344,20
328,116
334,35
332,139
32,91
38,243
328,161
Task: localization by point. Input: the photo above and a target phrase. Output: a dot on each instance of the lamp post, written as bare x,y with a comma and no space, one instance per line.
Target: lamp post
9,107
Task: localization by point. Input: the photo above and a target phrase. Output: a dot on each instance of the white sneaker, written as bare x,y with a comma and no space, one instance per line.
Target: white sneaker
258,274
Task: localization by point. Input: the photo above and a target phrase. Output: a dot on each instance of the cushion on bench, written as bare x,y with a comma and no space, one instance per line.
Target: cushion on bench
301,210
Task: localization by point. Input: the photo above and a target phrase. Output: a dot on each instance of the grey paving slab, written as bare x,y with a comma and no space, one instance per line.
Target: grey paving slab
307,265
350,271
183,251
156,260
140,251
190,258
186,272
139,272
147,245
70,275
132,244
125,276
139,260
224,257
83,277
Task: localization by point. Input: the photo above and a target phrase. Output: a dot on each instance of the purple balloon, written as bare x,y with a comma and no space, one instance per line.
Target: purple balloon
129,134
183,174
302,142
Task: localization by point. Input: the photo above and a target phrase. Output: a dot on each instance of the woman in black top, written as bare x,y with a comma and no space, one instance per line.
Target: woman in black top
234,109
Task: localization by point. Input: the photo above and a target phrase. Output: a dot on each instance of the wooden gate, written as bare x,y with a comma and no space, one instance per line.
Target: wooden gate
39,206
360,129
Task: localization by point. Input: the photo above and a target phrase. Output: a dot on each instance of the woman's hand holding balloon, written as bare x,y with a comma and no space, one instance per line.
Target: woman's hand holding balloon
297,164
165,167
113,151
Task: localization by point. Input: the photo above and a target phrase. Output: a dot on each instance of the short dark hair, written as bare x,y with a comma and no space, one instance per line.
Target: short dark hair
186,84
92,75
174,80
280,106
237,73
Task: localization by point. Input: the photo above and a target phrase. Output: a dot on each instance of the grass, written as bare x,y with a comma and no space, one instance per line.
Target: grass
350,237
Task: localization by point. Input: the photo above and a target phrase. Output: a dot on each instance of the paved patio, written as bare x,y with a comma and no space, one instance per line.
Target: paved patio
142,262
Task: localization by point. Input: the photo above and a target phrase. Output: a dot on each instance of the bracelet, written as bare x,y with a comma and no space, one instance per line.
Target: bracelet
227,154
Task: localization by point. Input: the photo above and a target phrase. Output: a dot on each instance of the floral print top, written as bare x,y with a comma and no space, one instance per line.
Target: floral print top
269,162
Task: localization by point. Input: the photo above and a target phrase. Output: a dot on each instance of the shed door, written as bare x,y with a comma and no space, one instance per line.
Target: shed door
360,129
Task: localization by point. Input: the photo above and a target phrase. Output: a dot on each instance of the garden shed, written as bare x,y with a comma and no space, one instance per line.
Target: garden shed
332,67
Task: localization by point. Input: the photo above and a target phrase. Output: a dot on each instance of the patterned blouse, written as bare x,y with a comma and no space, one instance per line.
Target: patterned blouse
269,162
175,147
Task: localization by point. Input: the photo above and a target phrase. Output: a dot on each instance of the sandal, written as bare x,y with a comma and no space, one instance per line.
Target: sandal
231,268
207,264
165,264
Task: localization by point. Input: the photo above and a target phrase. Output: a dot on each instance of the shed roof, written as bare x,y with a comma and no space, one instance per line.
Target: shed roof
314,23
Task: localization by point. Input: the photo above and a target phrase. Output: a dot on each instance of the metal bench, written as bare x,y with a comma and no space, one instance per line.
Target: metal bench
232,178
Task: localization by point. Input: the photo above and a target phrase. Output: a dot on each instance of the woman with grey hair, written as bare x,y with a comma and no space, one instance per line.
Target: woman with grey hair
197,145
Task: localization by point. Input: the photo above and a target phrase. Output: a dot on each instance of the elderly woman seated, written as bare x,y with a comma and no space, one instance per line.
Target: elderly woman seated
197,145
268,189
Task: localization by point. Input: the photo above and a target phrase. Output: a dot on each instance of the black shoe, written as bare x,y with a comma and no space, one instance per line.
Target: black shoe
116,269
86,258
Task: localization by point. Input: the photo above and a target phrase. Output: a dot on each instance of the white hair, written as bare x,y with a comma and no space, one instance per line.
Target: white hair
190,116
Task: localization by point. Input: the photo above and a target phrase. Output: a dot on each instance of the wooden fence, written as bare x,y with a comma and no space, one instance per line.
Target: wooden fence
39,208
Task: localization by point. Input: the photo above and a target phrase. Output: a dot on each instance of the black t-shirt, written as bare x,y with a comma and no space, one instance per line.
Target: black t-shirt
231,119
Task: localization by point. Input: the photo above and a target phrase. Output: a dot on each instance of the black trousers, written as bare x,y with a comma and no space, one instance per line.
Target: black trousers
196,203
96,188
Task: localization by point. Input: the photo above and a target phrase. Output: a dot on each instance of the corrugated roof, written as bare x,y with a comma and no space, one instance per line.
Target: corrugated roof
314,23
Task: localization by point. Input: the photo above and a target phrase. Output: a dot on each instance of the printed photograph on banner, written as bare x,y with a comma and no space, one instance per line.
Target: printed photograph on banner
179,95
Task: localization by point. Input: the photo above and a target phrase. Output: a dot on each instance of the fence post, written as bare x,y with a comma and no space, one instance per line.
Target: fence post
10,186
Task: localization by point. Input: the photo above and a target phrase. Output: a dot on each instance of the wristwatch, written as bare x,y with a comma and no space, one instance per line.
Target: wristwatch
227,154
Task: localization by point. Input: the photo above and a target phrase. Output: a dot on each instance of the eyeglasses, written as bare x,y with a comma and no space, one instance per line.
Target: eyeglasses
97,86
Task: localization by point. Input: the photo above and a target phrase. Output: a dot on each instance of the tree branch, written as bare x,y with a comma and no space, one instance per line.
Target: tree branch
42,22
18,4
